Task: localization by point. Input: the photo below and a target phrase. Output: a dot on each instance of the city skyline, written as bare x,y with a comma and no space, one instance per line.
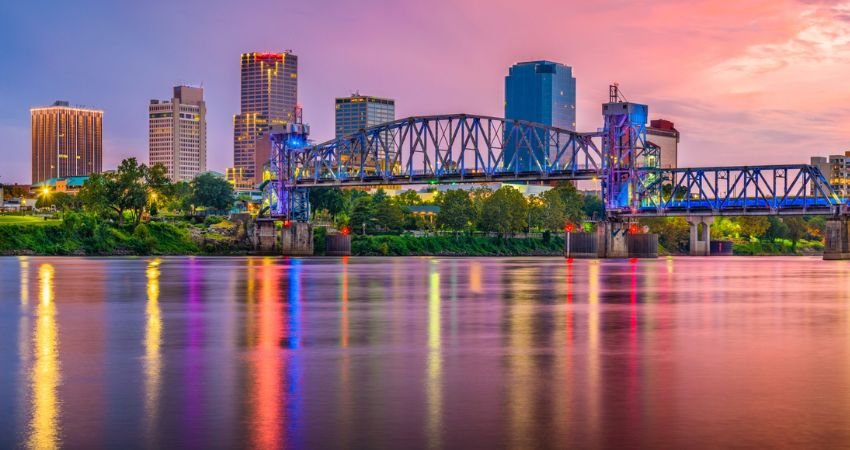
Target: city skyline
739,93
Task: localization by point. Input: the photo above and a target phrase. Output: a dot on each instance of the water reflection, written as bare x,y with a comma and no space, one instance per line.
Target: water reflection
268,395
153,356
434,389
425,352
45,374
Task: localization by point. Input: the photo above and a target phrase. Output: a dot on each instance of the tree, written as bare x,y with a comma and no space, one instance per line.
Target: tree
388,213
363,214
409,198
456,210
753,227
124,190
62,201
673,232
593,208
554,212
505,211
211,191
796,229
573,201
330,199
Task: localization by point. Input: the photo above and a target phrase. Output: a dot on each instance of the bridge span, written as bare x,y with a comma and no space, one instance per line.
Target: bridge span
465,148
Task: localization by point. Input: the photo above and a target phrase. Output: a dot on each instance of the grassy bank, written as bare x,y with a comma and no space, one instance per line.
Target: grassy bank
82,234
461,245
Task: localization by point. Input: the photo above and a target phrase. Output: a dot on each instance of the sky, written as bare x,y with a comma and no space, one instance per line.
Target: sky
746,82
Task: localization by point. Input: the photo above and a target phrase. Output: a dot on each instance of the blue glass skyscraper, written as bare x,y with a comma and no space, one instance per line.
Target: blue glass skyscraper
543,92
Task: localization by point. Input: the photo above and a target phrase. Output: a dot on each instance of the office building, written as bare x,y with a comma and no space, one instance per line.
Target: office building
66,141
543,92
359,112
836,170
664,134
177,133
269,96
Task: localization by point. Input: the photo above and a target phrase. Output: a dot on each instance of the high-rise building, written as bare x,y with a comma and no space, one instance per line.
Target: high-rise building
360,112
543,92
663,134
269,96
178,133
66,141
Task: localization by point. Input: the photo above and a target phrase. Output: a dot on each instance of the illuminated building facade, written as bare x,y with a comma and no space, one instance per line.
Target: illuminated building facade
360,112
665,135
269,96
541,92
836,170
66,141
178,133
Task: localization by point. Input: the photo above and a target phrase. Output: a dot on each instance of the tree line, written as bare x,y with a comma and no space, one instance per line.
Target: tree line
504,210
136,190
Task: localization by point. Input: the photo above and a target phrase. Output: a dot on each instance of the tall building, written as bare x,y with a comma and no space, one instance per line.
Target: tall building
361,112
268,97
542,92
66,141
665,135
177,136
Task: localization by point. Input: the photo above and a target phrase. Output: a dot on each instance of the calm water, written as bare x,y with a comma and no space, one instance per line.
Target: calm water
424,353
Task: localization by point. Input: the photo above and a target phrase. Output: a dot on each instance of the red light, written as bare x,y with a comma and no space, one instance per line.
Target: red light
633,228
287,223
345,231
569,228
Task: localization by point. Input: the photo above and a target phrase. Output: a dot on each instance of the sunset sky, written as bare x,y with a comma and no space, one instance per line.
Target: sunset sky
749,82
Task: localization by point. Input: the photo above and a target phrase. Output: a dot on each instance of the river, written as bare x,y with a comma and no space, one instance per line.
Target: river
424,353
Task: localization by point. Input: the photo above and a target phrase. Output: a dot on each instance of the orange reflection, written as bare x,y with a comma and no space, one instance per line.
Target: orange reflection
593,373
523,370
45,374
343,293
268,401
475,277
25,280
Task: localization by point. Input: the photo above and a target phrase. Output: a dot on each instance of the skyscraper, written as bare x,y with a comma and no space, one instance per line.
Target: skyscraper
269,96
362,111
542,92
178,133
66,141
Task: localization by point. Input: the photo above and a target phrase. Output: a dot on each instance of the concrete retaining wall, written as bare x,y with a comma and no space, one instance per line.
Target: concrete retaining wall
338,244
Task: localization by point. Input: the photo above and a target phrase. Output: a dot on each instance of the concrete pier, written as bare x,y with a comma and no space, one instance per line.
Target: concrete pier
611,240
297,239
837,239
265,237
700,242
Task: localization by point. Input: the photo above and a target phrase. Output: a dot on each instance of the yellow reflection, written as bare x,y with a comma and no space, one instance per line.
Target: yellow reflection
45,376
25,280
153,340
523,370
435,368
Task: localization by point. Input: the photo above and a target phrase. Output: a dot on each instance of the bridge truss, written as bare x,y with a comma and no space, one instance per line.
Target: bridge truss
462,148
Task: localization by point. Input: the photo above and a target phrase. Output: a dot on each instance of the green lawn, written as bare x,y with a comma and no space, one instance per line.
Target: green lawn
9,220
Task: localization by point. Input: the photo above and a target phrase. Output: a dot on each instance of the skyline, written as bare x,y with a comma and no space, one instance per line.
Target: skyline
759,84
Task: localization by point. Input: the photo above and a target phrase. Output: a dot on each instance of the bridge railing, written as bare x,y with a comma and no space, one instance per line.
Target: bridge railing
451,148
777,189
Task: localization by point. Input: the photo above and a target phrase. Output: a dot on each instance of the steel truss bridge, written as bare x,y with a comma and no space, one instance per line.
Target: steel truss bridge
461,148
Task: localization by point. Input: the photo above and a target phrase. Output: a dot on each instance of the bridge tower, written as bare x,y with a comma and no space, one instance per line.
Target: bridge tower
283,202
629,162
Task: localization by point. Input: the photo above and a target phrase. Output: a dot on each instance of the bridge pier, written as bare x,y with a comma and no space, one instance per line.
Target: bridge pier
837,239
612,239
297,239
265,237
700,242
